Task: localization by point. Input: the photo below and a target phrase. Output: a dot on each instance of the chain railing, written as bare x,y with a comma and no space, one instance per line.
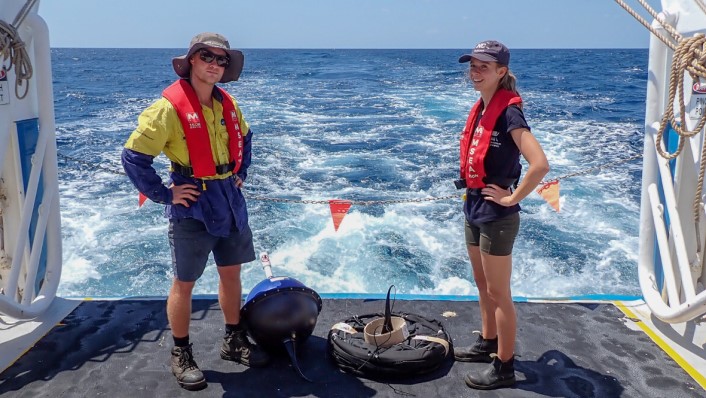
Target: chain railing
108,169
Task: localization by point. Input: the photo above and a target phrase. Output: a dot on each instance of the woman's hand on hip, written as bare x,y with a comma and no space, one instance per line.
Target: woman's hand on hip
495,193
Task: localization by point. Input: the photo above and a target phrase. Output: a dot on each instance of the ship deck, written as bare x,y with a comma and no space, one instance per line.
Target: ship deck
120,348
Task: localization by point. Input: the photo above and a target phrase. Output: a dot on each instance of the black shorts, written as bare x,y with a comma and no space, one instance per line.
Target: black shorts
495,237
191,245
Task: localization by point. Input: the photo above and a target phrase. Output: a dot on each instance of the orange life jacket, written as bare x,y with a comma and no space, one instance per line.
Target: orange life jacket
474,147
186,103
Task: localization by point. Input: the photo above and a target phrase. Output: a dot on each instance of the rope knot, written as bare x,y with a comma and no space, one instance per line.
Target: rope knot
18,45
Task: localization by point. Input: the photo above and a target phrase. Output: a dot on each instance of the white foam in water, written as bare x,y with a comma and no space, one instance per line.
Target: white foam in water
453,286
400,142
77,270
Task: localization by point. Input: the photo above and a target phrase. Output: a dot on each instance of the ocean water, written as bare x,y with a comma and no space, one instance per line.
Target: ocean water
365,125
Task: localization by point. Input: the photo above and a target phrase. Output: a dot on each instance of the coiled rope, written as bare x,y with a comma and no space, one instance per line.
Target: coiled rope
689,56
13,48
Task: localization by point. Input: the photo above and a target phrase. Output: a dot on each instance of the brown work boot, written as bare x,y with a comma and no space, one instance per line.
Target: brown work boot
237,348
185,369
479,352
497,374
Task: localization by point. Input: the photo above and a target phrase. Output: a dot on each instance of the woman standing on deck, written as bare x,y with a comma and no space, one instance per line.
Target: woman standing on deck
495,135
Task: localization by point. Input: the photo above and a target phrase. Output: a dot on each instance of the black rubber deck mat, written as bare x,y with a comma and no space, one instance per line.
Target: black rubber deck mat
121,349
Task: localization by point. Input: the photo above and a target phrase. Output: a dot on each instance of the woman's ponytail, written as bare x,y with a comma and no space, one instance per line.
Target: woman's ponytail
509,82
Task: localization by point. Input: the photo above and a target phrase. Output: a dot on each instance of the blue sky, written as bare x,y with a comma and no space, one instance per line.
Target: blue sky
345,24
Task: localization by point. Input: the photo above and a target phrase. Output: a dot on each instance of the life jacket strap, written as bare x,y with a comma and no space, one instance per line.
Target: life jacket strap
189,171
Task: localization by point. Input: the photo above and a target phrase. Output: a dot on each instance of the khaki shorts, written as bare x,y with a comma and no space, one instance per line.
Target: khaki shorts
495,237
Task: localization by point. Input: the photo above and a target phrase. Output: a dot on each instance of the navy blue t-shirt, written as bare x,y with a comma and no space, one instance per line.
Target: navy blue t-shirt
502,167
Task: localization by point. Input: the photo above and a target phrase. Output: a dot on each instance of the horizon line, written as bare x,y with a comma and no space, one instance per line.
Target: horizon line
353,48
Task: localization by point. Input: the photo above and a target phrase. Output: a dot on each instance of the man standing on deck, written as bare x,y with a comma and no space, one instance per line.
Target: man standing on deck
200,128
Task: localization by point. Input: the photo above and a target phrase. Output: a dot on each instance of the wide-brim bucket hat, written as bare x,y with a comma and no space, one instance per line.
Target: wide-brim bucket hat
182,66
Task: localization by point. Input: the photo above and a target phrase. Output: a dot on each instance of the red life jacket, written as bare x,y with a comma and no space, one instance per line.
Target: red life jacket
475,146
187,105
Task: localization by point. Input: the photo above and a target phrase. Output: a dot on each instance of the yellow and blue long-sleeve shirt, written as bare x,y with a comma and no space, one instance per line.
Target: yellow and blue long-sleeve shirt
159,130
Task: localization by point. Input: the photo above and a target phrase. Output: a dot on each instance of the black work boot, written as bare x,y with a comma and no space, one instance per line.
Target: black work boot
237,348
479,352
185,369
498,374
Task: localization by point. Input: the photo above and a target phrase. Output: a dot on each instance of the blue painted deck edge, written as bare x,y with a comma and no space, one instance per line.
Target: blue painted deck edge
382,296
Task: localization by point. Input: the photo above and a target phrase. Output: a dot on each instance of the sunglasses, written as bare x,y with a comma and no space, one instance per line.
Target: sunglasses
208,57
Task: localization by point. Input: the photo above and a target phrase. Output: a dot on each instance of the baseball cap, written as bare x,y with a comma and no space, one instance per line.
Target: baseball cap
489,51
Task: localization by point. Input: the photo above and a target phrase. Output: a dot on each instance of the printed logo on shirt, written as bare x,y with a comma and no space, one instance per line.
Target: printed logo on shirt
494,141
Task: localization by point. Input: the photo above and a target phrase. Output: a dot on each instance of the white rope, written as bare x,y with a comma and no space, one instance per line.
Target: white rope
660,18
702,5
669,42
23,12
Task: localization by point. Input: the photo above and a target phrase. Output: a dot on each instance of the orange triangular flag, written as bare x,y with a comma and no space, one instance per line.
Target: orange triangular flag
141,200
550,193
339,208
